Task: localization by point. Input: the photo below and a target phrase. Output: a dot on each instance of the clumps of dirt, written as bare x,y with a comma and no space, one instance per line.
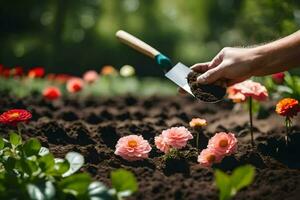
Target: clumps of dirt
286,153
92,127
208,93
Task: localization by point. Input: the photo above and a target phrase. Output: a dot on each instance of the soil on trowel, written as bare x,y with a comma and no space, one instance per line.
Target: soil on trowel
208,93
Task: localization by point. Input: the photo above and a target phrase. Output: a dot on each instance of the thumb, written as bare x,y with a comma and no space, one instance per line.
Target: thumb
210,76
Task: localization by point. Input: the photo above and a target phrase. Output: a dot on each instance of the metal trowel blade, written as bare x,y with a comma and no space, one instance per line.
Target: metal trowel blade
178,74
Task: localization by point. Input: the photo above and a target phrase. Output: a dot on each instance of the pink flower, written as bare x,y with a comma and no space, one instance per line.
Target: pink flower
177,137
133,147
248,88
208,156
223,143
75,85
278,78
90,76
161,144
235,95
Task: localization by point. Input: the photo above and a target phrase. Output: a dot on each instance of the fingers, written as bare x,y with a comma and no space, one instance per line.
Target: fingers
212,71
210,76
216,60
201,67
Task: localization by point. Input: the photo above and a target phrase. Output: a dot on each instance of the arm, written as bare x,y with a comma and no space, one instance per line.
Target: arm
238,64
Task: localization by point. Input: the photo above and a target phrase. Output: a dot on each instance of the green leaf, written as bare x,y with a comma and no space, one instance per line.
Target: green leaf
15,139
43,151
26,166
46,162
76,184
223,183
242,177
98,191
289,79
10,163
76,161
230,185
2,144
124,181
44,191
61,166
32,147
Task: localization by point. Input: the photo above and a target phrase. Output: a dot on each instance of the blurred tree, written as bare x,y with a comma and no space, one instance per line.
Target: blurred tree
73,36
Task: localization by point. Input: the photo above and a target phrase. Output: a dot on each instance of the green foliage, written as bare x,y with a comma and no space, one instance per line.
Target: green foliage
32,147
289,88
105,86
292,86
229,185
76,161
15,139
80,35
124,183
30,171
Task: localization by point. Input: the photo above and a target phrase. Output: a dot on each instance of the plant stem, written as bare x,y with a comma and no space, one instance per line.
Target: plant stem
288,124
197,140
251,122
19,129
199,131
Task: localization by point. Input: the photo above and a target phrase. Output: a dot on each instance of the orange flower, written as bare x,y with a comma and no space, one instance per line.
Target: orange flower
14,116
108,70
288,107
197,122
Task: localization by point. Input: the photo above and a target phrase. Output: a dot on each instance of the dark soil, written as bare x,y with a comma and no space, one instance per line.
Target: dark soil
207,93
93,126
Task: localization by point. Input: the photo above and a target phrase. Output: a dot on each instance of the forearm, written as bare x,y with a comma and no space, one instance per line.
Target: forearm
280,55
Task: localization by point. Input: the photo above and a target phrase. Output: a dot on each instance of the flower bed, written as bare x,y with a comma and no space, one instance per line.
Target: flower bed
93,127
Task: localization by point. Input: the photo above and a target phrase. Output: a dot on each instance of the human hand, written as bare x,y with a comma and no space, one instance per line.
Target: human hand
230,65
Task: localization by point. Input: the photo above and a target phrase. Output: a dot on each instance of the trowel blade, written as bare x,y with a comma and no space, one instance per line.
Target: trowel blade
178,74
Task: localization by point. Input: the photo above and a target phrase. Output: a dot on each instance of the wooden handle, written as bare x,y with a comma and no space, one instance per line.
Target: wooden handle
137,44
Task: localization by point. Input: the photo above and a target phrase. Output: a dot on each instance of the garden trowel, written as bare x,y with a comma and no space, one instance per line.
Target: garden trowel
178,73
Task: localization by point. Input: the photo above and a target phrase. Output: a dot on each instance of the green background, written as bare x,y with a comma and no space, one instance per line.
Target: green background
72,36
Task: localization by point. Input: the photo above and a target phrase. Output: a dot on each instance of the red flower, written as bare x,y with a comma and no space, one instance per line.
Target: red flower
6,72
278,78
17,71
62,78
51,93
1,68
36,72
288,107
14,116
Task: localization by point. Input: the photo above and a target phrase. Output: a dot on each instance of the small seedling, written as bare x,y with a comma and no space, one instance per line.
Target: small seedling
124,183
229,185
